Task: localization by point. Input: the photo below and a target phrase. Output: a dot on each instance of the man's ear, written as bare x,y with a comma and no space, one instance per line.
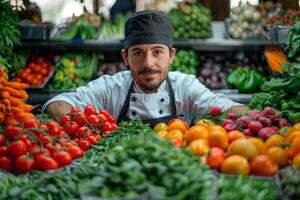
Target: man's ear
172,54
124,56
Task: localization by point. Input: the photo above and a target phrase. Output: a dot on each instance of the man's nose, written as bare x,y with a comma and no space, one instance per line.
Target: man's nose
148,60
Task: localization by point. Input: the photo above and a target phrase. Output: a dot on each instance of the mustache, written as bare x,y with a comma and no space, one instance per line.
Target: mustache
148,70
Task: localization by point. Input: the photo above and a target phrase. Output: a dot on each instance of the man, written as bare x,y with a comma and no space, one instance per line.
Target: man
148,92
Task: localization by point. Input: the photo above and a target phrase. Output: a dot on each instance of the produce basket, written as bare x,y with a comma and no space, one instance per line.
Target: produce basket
277,33
35,32
41,88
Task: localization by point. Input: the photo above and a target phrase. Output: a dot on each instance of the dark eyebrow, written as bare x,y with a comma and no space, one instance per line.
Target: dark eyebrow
158,47
137,49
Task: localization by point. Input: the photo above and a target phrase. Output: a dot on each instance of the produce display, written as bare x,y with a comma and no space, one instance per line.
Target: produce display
290,181
293,42
191,21
36,72
115,29
111,68
185,61
285,19
245,22
246,80
73,70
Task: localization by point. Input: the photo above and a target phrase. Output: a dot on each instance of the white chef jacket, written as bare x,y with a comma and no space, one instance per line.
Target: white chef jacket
192,98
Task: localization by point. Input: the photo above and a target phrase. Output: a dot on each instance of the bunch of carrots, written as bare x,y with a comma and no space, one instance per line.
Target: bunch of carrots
13,107
275,58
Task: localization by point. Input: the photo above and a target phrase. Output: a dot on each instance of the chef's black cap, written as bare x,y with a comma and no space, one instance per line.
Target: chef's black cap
148,27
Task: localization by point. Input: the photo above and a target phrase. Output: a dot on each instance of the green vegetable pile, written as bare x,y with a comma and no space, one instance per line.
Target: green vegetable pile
116,29
9,31
245,188
74,70
293,46
186,61
281,93
290,182
80,29
191,21
246,80
18,60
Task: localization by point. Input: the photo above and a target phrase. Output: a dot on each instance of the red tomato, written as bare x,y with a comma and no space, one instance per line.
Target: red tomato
69,144
54,128
92,139
114,126
26,140
62,158
31,123
215,158
37,151
44,72
94,120
75,110
79,118
107,126
111,118
105,112
24,164
83,131
16,149
75,151
45,163
103,118
12,131
6,163
71,128
83,144
64,119
2,140
90,110
177,142
45,138
3,150
53,147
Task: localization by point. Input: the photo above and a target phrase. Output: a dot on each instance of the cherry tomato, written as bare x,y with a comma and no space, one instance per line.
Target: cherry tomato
3,150
107,126
26,140
75,151
24,164
2,140
94,120
79,117
105,112
83,144
83,131
45,163
6,163
31,123
111,118
90,110
75,110
64,119
62,158
71,128
53,147
37,151
12,131
114,126
45,138
103,118
92,139
16,149
54,128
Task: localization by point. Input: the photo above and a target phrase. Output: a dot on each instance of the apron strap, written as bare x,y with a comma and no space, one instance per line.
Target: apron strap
125,107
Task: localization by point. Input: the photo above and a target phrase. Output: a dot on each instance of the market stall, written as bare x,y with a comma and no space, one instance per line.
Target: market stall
252,57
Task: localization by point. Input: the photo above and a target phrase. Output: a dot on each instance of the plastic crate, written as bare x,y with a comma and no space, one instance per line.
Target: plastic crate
35,32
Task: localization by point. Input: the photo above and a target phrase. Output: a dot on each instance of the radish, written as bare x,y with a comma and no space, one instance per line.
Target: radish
266,132
232,116
215,111
282,122
268,111
230,127
254,112
228,121
248,132
255,126
245,120
266,122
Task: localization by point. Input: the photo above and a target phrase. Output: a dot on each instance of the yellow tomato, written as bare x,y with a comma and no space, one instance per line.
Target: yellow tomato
279,156
218,138
235,165
197,132
162,133
179,125
160,127
205,122
174,134
234,135
296,160
259,145
292,135
199,147
242,147
273,141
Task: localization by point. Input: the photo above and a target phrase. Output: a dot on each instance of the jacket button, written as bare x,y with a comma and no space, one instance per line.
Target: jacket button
162,100
160,112
133,98
133,113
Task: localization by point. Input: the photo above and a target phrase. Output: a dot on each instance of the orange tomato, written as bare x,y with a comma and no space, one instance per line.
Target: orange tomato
278,155
296,160
242,147
273,141
259,145
197,132
218,138
292,135
162,133
174,134
205,122
234,135
235,165
215,158
262,165
178,124
217,128
199,147
296,126
295,147
160,126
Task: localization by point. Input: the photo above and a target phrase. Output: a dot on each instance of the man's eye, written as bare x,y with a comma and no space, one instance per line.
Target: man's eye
137,53
157,52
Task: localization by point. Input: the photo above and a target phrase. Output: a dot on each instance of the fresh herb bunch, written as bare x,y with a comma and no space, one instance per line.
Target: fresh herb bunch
9,31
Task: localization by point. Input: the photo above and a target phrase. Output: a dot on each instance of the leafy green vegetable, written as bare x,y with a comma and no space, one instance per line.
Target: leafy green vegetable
290,182
186,62
293,40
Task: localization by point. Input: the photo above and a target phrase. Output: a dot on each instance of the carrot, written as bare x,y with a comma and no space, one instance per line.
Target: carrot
10,120
2,107
16,110
275,58
16,93
16,101
5,95
6,102
21,116
28,108
15,85
1,117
